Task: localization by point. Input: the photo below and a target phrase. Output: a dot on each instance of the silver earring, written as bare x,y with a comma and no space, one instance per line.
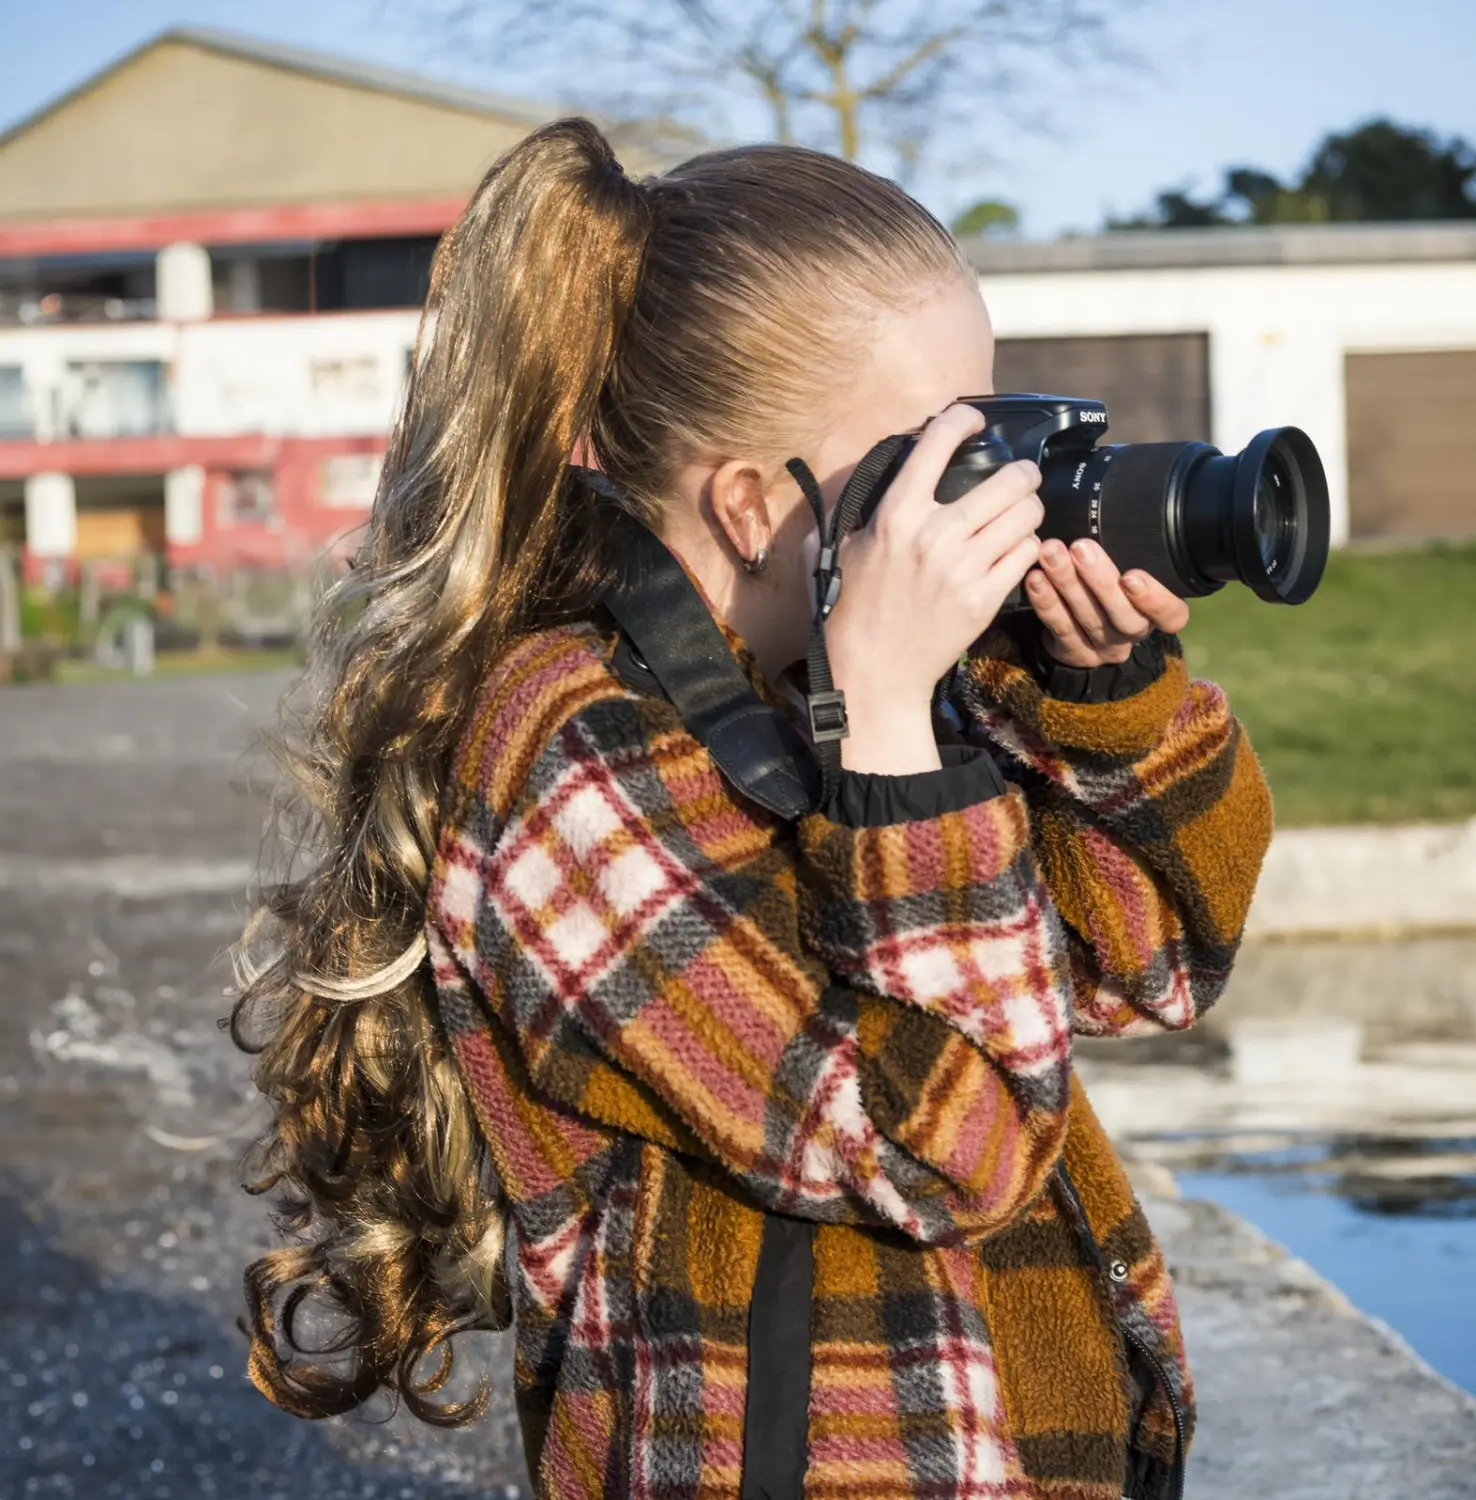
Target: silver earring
756,565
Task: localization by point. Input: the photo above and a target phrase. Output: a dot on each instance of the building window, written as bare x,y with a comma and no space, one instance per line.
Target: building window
262,278
248,497
114,399
103,288
327,276
364,274
15,421
12,513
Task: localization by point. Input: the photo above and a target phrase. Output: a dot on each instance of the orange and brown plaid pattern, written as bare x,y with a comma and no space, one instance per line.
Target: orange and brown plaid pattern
673,1010
1150,820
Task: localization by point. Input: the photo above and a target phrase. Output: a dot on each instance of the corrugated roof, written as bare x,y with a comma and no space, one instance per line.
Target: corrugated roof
360,74
658,143
1278,245
315,64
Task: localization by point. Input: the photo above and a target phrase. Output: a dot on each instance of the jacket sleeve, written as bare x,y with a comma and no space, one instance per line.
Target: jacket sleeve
639,940
1150,814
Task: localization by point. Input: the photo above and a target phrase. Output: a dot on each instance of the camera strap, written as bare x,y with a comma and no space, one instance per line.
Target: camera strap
827,703
673,648
679,644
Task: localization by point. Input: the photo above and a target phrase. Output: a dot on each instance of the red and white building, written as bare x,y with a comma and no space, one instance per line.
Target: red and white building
212,258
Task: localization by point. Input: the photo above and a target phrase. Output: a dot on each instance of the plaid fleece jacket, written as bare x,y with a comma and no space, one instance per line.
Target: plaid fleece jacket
638,971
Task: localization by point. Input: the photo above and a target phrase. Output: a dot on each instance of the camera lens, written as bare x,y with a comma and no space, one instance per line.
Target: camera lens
1273,515
1184,513
1195,518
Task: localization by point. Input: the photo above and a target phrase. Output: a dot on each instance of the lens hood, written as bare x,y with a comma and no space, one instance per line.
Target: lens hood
1280,526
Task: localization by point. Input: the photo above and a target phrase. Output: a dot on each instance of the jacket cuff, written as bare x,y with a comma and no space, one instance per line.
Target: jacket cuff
1105,684
967,777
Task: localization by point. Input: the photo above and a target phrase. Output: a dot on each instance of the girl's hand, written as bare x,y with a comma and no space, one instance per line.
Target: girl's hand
1092,614
921,582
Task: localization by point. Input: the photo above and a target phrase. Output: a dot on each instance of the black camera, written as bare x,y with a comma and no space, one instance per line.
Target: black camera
1192,517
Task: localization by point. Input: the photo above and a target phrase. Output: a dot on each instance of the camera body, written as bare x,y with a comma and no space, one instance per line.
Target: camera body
1188,515
1024,426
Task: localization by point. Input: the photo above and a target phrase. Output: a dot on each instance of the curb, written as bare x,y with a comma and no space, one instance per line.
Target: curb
1410,879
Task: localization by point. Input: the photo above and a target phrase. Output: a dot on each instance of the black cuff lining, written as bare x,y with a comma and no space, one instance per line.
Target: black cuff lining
967,777
1107,684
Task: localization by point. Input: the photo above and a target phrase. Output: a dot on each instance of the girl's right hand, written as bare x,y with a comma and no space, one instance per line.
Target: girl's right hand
921,583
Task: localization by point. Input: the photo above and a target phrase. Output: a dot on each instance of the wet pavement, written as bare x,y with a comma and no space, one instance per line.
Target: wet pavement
128,827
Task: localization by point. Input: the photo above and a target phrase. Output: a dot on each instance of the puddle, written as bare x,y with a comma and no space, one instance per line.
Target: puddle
1390,1222
1330,1099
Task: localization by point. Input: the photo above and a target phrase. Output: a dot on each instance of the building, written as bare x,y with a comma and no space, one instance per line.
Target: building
1363,335
212,258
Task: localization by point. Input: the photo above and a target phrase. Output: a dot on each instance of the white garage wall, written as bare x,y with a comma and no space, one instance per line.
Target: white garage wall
1277,333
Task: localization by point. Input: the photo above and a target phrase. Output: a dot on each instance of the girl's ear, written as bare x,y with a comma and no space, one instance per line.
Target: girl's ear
741,508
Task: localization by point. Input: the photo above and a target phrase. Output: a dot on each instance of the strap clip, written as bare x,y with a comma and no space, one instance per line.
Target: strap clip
828,592
828,719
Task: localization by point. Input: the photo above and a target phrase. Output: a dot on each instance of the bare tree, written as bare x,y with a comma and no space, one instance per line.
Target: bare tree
889,82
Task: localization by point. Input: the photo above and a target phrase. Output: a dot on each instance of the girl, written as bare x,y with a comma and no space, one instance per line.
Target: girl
804,1195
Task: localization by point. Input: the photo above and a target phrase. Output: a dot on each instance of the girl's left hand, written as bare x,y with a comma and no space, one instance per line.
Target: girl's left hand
1093,614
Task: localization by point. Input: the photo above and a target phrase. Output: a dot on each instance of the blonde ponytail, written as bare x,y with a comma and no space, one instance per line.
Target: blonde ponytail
474,537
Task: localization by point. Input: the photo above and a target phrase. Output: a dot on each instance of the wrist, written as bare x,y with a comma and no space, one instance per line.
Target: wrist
888,738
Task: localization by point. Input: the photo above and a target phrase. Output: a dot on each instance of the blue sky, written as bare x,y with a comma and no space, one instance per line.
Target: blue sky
1246,82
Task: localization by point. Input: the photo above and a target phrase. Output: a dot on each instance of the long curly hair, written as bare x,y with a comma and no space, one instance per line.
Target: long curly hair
571,310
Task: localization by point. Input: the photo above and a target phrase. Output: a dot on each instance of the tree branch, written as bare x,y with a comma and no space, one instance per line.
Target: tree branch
883,80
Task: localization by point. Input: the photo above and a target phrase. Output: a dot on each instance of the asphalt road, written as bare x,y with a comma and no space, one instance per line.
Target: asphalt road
128,827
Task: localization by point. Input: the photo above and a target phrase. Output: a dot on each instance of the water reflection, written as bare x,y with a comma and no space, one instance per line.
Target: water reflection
1402,1252
1330,1098
1375,1174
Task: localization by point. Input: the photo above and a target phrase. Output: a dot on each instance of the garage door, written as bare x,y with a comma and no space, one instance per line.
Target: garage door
1412,444
1156,386
119,531
120,515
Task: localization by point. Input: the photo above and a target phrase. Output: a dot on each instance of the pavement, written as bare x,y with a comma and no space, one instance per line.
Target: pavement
129,820
130,817
1300,1395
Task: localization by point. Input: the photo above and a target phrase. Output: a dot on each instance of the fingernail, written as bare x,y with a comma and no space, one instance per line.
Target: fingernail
1084,549
1034,582
1133,583
1052,551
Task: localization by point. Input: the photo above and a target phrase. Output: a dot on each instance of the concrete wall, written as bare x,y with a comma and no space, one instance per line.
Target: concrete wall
1277,333
312,508
306,402
1395,881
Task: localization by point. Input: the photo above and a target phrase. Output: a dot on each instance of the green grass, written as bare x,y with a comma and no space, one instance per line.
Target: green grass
1362,702
182,664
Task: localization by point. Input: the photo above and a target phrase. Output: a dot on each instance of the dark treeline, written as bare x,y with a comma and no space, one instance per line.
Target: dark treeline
1377,172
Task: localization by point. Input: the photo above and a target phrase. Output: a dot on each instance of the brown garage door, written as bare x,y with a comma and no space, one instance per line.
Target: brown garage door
1156,386
119,531
120,515
1412,444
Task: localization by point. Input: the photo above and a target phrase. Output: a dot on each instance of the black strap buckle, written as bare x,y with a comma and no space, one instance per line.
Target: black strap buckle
828,719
